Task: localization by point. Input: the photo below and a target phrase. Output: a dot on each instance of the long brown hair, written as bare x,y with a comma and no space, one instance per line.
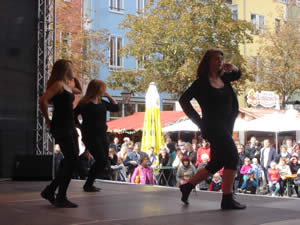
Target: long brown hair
203,69
92,91
59,70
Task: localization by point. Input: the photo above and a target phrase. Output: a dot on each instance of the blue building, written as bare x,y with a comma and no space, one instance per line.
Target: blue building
107,14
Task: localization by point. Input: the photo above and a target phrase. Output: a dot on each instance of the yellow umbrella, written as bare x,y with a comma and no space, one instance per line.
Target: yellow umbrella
152,133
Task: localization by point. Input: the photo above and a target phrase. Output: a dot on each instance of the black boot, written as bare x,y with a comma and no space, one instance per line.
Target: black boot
64,203
48,194
91,188
228,202
185,191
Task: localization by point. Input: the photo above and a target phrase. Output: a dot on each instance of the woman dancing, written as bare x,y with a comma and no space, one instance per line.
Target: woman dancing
93,110
60,92
219,105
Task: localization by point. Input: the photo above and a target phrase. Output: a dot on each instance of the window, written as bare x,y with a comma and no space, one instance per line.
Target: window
66,42
116,115
234,10
277,25
116,6
168,107
140,5
140,63
259,22
141,107
67,0
116,60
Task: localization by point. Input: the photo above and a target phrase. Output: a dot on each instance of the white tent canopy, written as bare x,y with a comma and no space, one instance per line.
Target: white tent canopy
188,125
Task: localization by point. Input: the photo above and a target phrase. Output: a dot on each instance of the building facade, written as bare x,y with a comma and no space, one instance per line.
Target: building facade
108,14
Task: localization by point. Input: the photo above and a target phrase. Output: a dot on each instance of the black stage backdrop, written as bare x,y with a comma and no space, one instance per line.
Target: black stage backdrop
18,54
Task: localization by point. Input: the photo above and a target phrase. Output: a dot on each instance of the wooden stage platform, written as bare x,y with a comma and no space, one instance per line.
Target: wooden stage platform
126,204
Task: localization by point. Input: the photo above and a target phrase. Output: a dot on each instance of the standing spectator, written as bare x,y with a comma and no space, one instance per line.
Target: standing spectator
204,185
126,140
120,170
289,145
190,152
177,162
182,147
283,153
239,176
284,170
165,160
245,168
153,162
296,149
143,173
252,150
133,158
185,171
116,145
273,178
205,149
268,154
168,141
86,162
58,157
250,184
172,149
216,183
130,146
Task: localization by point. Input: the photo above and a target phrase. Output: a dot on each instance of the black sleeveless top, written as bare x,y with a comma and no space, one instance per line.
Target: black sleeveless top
62,123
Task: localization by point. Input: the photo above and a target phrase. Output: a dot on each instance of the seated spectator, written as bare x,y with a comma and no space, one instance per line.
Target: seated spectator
185,171
205,149
258,171
273,178
119,170
247,166
113,161
284,170
297,182
190,152
133,158
250,184
216,183
294,166
143,173
153,162
204,185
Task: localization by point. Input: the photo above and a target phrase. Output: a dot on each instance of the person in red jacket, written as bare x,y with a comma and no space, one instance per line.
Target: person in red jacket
273,178
205,149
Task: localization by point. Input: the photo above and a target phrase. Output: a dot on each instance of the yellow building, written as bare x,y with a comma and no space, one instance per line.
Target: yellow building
263,14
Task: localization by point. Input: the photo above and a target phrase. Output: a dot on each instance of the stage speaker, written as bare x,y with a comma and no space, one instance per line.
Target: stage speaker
32,167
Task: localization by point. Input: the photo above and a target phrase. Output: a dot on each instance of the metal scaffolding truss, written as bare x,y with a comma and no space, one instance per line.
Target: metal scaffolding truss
45,58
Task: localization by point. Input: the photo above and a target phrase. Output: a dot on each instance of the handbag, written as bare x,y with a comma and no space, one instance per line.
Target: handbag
137,177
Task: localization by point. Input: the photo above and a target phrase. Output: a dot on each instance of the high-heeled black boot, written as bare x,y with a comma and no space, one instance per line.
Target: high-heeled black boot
228,202
185,191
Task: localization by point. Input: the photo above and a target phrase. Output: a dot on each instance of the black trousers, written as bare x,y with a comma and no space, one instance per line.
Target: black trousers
69,147
98,147
223,153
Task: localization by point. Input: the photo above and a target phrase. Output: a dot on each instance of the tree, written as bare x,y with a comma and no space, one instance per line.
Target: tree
276,67
170,37
79,43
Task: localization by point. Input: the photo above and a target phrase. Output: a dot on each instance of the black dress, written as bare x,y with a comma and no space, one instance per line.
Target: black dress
94,129
219,110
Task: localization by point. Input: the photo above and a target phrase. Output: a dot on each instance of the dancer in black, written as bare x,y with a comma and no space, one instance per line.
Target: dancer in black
219,105
93,110
60,92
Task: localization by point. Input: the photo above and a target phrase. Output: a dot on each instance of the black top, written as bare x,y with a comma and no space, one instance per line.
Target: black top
63,116
219,105
94,117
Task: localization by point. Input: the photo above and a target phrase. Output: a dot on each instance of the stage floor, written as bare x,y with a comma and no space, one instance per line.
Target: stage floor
126,204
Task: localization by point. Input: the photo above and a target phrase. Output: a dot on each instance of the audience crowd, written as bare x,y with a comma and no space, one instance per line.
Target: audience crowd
261,170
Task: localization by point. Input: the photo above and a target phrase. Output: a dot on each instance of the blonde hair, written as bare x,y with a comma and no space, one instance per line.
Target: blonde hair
92,91
203,69
59,71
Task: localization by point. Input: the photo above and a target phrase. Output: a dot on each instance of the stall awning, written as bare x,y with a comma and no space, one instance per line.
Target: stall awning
136,121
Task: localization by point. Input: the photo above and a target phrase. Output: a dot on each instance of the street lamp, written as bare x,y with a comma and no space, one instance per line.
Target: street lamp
125,96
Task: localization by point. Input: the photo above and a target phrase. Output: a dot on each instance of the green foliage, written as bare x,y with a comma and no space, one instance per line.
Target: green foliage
173,35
